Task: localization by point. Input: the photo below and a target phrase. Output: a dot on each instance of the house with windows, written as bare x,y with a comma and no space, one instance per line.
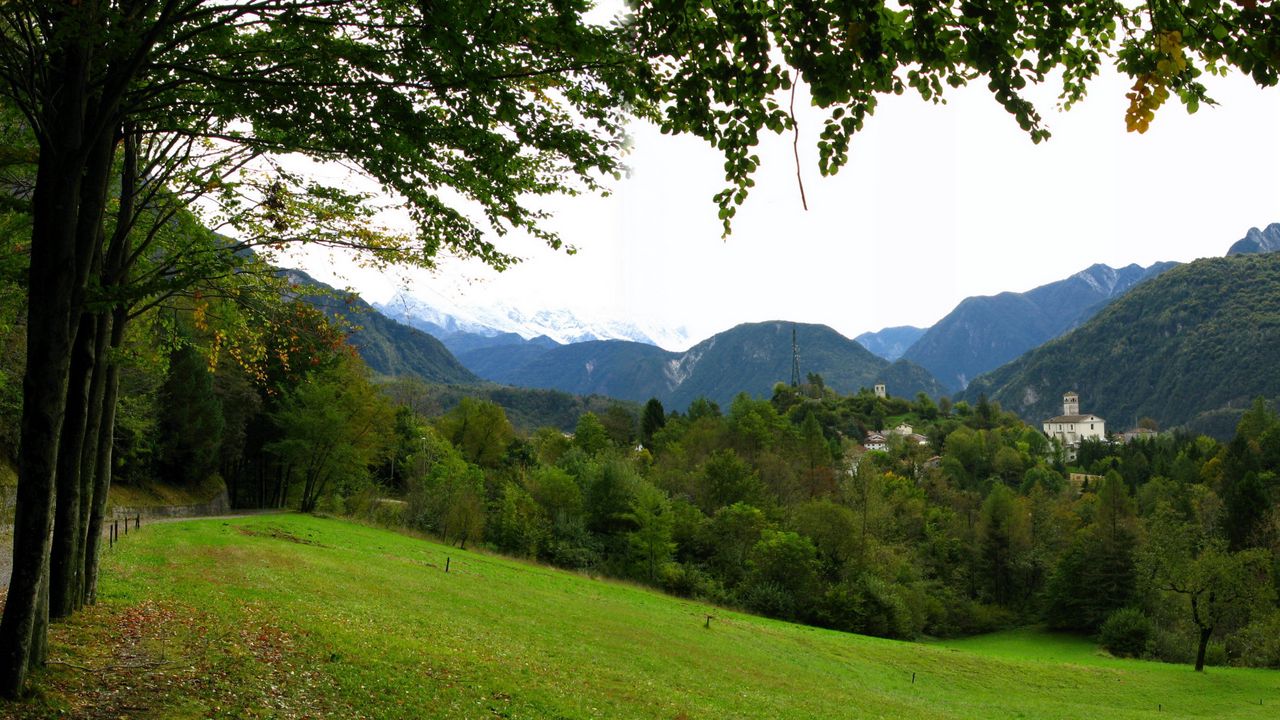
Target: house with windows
1071,427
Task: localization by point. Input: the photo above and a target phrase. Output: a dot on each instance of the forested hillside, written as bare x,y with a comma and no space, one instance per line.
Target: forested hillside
1192,347
752,357
388,347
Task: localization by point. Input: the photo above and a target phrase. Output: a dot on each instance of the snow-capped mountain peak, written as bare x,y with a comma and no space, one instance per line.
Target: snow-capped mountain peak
443,318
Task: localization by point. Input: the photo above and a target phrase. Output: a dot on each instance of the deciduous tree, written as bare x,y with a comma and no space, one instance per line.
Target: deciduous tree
1220,587
333,427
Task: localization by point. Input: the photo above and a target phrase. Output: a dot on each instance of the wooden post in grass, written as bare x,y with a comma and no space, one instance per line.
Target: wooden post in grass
446,564
137,522
707,624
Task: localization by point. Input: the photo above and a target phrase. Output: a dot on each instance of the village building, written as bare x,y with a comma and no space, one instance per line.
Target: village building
881,392
1140,433
875,441
1071,427
1081,482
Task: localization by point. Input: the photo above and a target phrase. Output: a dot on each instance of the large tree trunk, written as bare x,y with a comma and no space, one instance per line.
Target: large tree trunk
1204,645
50,291
68,531
102,458
89,451
105,388
65,580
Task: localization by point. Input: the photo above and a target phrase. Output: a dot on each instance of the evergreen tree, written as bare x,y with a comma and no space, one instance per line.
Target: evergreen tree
652,420
191,419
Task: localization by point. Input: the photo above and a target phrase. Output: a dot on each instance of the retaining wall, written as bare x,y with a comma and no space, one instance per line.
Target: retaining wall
219,505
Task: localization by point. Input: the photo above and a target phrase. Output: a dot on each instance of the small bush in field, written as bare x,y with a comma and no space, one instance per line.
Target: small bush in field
1126,632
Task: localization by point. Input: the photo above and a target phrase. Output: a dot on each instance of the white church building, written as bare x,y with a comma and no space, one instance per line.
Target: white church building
1071,427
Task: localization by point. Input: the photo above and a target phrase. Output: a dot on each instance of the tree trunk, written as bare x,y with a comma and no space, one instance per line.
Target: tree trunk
40,635
89,452
1204,645
68,531
105,387
283,478
44,383
65,580
102,459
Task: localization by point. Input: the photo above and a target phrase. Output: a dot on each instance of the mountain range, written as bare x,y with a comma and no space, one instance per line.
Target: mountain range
442,318
1087,312
549,349
749,358
891,342
1191,348
983,333
1258,241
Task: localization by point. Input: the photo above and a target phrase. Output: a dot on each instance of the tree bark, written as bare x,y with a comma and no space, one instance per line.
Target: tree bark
1204,645
89,451
102,459
68,530
50,289
39,635
65,580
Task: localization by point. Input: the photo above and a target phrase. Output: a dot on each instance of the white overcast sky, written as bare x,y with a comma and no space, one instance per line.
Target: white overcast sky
937,203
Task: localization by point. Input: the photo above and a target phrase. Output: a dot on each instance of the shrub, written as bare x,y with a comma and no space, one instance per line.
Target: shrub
950,614
387,513
1127,632
1173,645
687,580
870,606
1257,644
768,598
1216,654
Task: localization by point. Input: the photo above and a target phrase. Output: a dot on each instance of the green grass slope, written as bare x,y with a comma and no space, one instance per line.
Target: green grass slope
293,616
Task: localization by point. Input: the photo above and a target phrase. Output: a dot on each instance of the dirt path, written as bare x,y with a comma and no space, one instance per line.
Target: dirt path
6,535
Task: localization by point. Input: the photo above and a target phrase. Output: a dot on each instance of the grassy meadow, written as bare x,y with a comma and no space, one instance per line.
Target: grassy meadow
291,616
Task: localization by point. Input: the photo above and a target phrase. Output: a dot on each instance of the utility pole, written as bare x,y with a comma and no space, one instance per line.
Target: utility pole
795,358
